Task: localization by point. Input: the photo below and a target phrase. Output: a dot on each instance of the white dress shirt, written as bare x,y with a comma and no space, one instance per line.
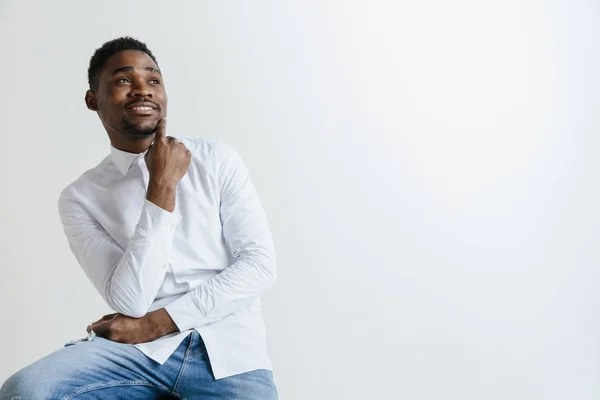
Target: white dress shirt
206,263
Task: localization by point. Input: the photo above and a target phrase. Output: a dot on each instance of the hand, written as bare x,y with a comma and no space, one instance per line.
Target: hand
123,329
120,328
167,159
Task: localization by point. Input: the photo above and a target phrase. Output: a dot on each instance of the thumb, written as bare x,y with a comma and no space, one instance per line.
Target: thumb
161,130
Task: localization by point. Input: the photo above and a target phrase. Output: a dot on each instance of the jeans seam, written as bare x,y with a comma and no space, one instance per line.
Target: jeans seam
184,363
93,387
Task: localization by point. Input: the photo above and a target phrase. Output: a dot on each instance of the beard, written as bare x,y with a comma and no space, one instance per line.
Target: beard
137,130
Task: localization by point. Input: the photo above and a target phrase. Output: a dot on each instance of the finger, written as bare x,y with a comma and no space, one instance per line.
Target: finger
104,318
161,129
89,329
101,328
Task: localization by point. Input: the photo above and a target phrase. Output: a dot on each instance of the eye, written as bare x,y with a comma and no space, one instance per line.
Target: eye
155,80
121,80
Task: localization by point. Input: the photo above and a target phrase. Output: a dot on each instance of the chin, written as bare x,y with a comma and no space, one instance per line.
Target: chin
132,129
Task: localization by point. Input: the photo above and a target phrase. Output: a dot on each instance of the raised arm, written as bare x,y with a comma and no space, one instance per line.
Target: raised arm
128,279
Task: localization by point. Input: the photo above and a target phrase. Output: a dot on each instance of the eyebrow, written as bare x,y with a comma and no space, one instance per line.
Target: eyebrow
129,68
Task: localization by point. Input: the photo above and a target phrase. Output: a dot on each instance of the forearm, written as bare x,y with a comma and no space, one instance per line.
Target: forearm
138,275
128,276
162,194
234,289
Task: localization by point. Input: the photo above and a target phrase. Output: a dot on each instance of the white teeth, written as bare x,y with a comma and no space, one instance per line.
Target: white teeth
143,108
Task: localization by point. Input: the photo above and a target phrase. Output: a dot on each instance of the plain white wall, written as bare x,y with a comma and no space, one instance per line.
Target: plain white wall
429,170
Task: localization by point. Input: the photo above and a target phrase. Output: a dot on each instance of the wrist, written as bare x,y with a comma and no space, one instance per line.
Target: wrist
160,323
162,194
161,184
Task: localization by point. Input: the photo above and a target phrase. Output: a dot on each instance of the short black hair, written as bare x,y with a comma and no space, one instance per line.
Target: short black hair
109,49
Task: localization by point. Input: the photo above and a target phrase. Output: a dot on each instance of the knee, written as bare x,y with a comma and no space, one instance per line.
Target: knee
28,383
14,387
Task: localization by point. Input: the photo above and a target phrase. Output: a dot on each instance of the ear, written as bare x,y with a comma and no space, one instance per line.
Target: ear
90,100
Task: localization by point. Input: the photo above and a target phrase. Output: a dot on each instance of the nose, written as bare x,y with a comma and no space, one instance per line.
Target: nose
141,89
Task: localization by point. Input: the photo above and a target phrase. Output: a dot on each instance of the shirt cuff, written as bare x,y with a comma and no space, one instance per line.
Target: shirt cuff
154,219
185,313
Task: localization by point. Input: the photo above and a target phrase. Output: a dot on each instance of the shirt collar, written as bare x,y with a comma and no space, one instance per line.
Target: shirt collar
123,159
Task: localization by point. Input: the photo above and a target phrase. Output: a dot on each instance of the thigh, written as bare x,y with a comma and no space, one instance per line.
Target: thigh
88,370
196,381
252,385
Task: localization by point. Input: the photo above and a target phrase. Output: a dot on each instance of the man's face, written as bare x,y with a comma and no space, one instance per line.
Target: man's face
131,97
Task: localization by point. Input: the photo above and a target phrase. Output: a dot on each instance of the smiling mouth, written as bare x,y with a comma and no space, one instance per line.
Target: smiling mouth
141,110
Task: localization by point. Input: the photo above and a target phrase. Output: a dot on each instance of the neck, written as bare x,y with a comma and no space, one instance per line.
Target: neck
135,146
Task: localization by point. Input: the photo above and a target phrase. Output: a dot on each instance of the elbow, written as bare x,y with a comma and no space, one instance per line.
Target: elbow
273,275
138,315
269,267
126,305
262,268
130,310
262,264
136,312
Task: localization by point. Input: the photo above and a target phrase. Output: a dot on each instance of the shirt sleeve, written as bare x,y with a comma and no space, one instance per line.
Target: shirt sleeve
247,235
128,279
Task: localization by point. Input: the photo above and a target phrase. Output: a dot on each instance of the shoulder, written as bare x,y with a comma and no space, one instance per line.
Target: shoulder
211,151
85,183
208,146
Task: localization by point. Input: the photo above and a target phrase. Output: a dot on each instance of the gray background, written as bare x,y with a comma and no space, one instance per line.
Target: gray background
429,170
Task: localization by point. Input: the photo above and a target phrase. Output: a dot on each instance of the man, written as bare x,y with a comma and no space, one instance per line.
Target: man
174,238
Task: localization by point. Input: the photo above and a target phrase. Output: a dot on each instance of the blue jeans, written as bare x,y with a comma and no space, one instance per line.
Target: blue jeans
103,369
